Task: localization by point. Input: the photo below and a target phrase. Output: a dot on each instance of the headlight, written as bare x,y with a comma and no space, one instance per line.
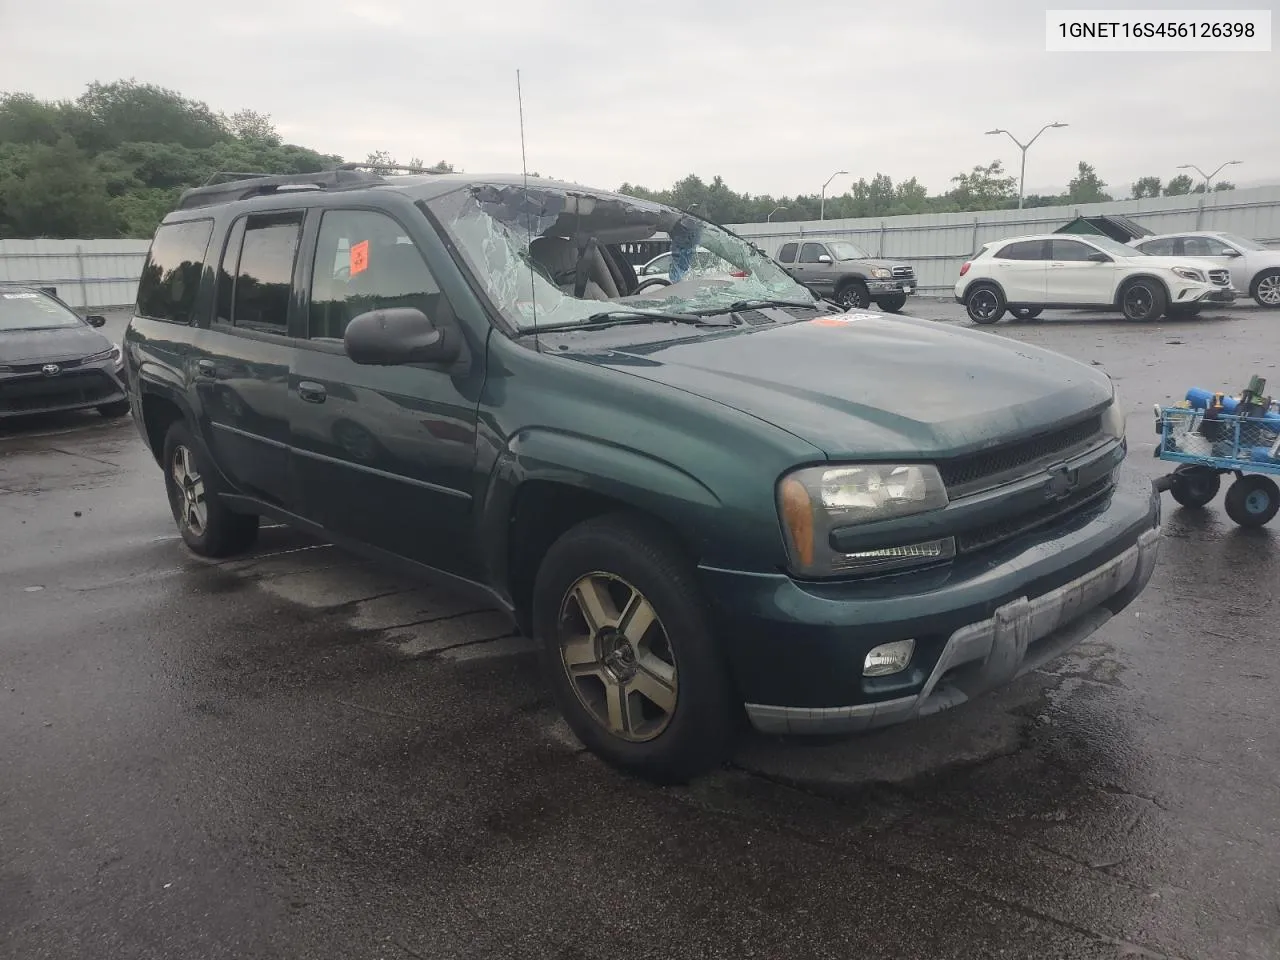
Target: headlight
1113,418
117,356
880,273
814,501
99,356
1189,273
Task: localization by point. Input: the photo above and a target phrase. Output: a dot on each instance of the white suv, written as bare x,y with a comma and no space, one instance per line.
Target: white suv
1253,267
1026,275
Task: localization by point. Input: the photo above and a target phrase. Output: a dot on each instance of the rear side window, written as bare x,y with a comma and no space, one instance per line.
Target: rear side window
256,276
171,275
1158,248
1022,250
788,252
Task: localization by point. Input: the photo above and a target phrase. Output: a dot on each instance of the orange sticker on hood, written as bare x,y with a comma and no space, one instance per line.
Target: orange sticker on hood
841,319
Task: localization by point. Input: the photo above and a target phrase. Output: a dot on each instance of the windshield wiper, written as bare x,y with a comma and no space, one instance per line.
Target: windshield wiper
610,318
755,302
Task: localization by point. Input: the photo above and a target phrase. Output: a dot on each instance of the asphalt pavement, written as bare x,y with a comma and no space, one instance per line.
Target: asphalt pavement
297,754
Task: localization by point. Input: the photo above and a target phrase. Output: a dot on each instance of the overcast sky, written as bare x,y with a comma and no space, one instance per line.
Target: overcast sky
772,95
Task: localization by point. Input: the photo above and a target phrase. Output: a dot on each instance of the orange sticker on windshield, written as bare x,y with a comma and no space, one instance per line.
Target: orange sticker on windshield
359,257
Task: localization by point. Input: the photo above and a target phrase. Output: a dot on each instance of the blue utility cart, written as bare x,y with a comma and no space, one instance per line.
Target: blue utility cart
1207,437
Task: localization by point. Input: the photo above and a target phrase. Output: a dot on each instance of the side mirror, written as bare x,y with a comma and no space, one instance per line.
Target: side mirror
824,258
1099,258
399,335
96,321
1229,252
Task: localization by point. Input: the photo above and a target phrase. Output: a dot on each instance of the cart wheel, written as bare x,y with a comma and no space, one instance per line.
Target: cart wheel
1253,500
1195,487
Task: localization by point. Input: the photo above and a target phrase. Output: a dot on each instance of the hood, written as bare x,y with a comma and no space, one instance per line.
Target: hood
61,343
877,262
1168,263
863,386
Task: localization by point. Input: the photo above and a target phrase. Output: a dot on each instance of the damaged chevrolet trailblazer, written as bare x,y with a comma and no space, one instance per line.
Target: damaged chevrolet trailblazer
717,498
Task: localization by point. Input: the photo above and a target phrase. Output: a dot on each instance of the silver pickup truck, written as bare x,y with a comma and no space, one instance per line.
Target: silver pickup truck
846,273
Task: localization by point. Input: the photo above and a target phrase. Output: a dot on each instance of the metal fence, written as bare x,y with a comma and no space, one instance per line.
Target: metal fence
86,273
937,244
104,273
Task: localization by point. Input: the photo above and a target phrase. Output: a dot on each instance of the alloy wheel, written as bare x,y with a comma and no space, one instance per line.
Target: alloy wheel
617,656
189,492
1138,302
984,304
1269,290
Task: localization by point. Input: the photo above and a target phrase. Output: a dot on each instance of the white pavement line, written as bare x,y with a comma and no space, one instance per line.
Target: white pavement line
487,649
374,710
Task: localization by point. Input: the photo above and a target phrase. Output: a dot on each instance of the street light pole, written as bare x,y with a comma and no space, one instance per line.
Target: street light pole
769,218
1024,147
822,206
1208,177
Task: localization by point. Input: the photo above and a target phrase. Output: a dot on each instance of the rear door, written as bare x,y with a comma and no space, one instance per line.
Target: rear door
1020,269
243,359
1075,279
383,454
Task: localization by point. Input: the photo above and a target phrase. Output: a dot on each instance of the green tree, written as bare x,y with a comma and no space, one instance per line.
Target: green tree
1179,186
984,188
252,127
132,112
1087,186
53,191
1146,187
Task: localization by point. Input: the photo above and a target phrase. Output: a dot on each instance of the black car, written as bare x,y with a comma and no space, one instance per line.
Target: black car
52,359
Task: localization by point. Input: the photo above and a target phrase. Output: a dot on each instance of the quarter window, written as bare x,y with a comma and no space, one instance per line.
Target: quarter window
366,261
171,275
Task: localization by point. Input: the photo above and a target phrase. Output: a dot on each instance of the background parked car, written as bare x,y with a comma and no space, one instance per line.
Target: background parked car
1026,275
1254,268
848,274
52,359
657,272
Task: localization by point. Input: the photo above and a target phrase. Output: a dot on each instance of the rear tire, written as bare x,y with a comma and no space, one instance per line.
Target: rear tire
892,304
1143,299
1025,313
1253,500
1182,313
208,526
984,303
114,410
1195,487
1266,289
651,695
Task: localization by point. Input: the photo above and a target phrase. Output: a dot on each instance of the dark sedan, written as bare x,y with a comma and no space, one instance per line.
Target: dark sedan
51,359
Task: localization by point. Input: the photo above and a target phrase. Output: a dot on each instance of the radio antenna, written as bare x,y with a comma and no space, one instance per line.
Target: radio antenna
528,212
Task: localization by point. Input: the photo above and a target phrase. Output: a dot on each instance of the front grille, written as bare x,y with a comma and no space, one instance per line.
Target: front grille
81,388
1219,277
903,273
966,474
1050,513
36,367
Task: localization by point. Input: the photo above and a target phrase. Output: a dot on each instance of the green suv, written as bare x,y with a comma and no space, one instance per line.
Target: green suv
715,500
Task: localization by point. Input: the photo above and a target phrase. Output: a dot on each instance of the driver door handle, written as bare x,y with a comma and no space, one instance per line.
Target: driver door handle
311,391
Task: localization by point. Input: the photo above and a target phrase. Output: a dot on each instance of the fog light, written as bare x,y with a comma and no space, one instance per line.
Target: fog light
888,658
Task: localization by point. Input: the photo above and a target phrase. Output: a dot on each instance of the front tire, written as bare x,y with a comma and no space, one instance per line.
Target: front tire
629,651
854,296
1253,500
1143,300
1266,289
892,304
985,304
113,411
207,525
1182,313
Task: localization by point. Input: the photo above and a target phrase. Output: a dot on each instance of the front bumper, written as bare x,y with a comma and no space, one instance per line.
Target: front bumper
884,288
1207,294
797,649
72,388
1022,636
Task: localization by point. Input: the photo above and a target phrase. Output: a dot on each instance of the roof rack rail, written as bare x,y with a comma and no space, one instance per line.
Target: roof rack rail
382,166
224,176
257,185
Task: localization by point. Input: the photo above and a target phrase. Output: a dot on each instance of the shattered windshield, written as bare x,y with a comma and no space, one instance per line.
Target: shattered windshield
549,255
